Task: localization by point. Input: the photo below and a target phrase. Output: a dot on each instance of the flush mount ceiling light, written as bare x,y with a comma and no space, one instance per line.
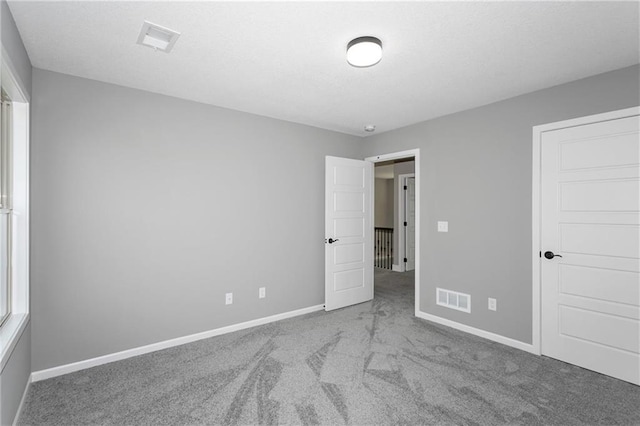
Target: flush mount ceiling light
157,37
369,128
364,51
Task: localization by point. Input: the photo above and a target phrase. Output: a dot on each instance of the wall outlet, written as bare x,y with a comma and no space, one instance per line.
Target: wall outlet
262,292
228,299
443,226
493,304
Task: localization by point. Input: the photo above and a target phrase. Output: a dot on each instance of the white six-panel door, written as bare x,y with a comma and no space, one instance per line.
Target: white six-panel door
348,232
590,215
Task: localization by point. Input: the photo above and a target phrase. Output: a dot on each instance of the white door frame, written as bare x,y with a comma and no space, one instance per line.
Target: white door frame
536,214
402,199
415,153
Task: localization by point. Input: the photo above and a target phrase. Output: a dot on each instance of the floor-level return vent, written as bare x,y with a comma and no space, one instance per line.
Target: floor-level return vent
453,300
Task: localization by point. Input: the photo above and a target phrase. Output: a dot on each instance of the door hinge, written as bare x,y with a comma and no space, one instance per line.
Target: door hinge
405,187
405,224
405,260
540,253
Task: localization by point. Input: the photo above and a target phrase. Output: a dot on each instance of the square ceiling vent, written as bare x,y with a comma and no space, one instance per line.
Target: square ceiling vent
157,37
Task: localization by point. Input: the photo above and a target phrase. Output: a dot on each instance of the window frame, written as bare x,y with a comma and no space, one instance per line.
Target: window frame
6,161
16,322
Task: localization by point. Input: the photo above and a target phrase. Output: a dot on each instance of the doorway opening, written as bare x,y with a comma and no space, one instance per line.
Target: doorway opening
397,215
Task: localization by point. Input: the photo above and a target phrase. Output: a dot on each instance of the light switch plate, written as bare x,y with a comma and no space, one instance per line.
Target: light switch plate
443,226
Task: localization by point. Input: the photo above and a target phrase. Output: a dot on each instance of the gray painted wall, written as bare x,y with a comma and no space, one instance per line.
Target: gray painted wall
147,209
476,173
14,376
383,215
146,206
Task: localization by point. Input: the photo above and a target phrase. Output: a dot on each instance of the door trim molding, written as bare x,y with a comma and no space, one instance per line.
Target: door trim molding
415,153
536,214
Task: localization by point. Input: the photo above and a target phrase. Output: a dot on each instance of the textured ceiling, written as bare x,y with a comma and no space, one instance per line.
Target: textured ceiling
287,59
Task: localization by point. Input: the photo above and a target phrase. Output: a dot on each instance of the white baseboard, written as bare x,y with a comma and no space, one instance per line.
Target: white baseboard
478,332
22,400
397,268
36,376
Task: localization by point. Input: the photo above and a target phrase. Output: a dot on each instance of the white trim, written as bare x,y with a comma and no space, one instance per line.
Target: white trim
12,329
22,400
10,334
396,268
20,212
535,243
478,332
14,86
589,119
402,200
37,376
393,156
415,153
535,205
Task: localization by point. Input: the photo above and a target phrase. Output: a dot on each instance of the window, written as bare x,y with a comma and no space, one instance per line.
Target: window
14,210
6,161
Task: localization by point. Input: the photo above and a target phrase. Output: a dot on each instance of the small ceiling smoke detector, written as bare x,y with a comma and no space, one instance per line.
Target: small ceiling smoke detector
369,128
364,51
157,37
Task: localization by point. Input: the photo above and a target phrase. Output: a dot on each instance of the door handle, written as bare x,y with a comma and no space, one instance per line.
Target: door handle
551,255
331,240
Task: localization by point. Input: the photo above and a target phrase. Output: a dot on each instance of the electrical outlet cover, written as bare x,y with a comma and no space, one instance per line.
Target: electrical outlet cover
493,304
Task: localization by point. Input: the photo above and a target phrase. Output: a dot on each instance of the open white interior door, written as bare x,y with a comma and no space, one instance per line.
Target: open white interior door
348,232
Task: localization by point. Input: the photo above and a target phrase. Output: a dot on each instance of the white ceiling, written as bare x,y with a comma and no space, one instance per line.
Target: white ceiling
287,59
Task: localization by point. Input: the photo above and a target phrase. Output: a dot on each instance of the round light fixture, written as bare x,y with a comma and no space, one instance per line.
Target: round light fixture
364,51
369,128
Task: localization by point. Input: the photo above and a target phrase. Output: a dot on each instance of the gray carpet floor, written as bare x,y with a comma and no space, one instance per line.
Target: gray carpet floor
373,363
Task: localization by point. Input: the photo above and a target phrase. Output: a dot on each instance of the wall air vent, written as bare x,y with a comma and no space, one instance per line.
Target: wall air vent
453,300
157,37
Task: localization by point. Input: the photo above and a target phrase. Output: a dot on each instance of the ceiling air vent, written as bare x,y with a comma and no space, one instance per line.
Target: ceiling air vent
157,37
